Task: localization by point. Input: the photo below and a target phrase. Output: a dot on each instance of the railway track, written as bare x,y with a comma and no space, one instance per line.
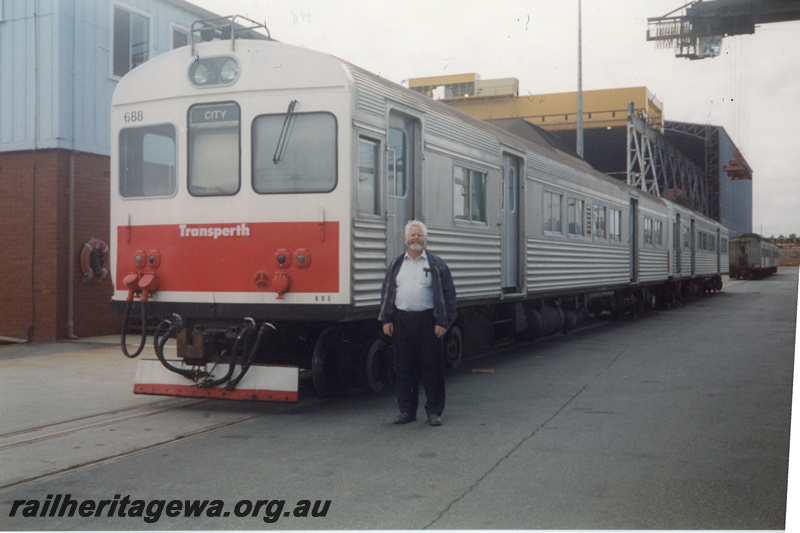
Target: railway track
48,450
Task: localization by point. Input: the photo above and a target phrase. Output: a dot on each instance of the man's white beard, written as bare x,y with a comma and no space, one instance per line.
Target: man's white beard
415,246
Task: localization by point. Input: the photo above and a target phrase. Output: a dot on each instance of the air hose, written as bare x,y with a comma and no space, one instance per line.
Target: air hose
124,335
238,346
172,328
251,356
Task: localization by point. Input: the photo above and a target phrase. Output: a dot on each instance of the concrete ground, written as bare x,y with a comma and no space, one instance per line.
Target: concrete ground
676,421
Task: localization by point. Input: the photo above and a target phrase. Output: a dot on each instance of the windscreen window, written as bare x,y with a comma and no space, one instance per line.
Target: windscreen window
214,151
294,153
147,161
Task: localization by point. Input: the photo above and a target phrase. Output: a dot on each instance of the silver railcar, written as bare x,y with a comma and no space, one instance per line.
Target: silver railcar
259,191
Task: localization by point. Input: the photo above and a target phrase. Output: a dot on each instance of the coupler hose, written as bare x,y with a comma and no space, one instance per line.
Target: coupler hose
238,346
158,345
124,334
252,355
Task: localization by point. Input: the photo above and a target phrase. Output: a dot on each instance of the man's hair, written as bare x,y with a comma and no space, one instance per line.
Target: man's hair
412,223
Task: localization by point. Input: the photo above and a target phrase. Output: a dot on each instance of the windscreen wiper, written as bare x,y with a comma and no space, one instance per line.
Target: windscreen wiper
286,130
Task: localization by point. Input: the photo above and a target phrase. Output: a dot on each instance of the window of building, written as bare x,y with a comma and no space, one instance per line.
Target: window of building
469,195
599,222
131,41
368,173
214,163
575,217
147,161
294,153
180,37
551,212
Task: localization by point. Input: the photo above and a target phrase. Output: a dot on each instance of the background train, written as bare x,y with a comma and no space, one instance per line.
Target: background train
752,256
259,191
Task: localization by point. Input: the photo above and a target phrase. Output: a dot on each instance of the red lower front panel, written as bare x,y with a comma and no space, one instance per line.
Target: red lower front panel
280,257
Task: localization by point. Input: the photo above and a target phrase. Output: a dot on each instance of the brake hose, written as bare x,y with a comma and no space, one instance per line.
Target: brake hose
251,356
124,335
158,345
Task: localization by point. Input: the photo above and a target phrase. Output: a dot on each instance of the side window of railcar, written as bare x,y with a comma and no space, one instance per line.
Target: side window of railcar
615,225
648,231
398,163
294,153
724,246
658,233
599,222
469,196
368,165
214,151
147,161
687,241
551,212
575,217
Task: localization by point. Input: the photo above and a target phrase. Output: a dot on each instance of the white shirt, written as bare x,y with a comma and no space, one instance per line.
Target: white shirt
414,289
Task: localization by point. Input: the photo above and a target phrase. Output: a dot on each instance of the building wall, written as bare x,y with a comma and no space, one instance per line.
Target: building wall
34,280
735,196
56,79
558,111
56,85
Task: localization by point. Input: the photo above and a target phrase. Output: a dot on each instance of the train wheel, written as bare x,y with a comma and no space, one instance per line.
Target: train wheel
329,362
453,348
373,366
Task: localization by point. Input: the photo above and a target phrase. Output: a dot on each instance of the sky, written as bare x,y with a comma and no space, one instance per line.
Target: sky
751,89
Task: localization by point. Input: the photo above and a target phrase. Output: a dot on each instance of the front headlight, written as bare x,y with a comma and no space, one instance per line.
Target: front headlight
229,71
213,71
200,73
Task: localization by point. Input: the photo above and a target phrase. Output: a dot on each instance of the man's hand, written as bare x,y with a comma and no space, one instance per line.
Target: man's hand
388,329
439,331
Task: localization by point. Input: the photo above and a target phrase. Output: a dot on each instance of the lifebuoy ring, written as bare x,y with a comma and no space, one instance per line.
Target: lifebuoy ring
93,259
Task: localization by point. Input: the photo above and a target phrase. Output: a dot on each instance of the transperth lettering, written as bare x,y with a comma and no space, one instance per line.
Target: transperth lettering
215,232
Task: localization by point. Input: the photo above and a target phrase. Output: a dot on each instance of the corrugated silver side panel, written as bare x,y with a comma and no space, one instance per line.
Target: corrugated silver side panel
373,95
370,97
369,262
473,259
565,265
706,263
653,264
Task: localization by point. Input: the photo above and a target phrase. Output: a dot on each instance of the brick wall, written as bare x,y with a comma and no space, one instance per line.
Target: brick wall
34,270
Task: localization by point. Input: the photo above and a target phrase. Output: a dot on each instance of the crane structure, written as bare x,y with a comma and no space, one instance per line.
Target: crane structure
698,32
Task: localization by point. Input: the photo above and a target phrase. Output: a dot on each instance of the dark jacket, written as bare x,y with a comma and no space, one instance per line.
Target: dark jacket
444,291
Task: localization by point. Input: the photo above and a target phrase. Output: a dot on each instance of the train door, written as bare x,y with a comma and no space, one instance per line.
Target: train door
693,245
634,234
510,211
402,158
677,243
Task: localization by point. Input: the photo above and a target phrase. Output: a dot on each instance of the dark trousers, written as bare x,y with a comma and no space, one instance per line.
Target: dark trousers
419,356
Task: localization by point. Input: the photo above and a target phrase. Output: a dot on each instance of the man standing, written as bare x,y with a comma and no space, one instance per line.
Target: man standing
418,304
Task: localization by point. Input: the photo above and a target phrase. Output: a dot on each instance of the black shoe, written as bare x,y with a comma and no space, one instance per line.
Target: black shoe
404,418
434,420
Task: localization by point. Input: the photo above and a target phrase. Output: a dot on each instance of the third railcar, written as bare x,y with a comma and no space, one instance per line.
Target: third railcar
752,256
259,191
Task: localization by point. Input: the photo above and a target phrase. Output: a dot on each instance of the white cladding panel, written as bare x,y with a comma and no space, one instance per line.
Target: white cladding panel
55,68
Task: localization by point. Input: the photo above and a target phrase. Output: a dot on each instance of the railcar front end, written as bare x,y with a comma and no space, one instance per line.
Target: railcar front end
230,217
